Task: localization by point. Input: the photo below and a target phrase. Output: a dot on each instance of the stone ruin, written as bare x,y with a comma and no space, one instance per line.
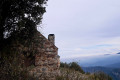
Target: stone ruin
47,60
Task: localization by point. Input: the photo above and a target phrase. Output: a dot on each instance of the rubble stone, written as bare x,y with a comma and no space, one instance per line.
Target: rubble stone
47,60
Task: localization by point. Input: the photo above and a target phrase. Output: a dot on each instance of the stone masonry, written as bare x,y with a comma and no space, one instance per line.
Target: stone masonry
47,60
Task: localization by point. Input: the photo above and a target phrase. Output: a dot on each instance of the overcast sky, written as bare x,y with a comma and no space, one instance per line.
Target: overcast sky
83,27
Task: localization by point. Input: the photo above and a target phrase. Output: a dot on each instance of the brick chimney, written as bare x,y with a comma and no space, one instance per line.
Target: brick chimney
51,38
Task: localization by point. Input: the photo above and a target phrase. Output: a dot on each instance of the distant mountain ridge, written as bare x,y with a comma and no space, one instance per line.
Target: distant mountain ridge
104,60
108,63
113,72
118,53
114,65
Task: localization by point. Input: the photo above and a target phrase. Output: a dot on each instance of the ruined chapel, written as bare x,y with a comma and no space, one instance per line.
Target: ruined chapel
47,60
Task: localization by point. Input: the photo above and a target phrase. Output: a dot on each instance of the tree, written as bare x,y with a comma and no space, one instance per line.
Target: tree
19,15
76,66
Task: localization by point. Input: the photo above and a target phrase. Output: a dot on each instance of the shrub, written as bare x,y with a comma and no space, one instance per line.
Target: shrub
72,65
64,65
11,68
102,76
76,67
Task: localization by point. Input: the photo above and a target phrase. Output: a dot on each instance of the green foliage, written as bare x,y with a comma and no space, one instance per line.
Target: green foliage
60,78
72,65
74,70
64,65
12,68
17,16
101,76
76,66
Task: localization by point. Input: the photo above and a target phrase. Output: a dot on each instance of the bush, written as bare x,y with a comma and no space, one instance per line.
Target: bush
60,78
72,65
101,76
64,65
72,71
11,68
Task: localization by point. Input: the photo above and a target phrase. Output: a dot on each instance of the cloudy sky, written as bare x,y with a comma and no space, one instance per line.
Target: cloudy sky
83,27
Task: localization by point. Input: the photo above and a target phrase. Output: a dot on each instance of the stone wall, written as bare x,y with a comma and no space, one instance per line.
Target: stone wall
47,60
37,54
